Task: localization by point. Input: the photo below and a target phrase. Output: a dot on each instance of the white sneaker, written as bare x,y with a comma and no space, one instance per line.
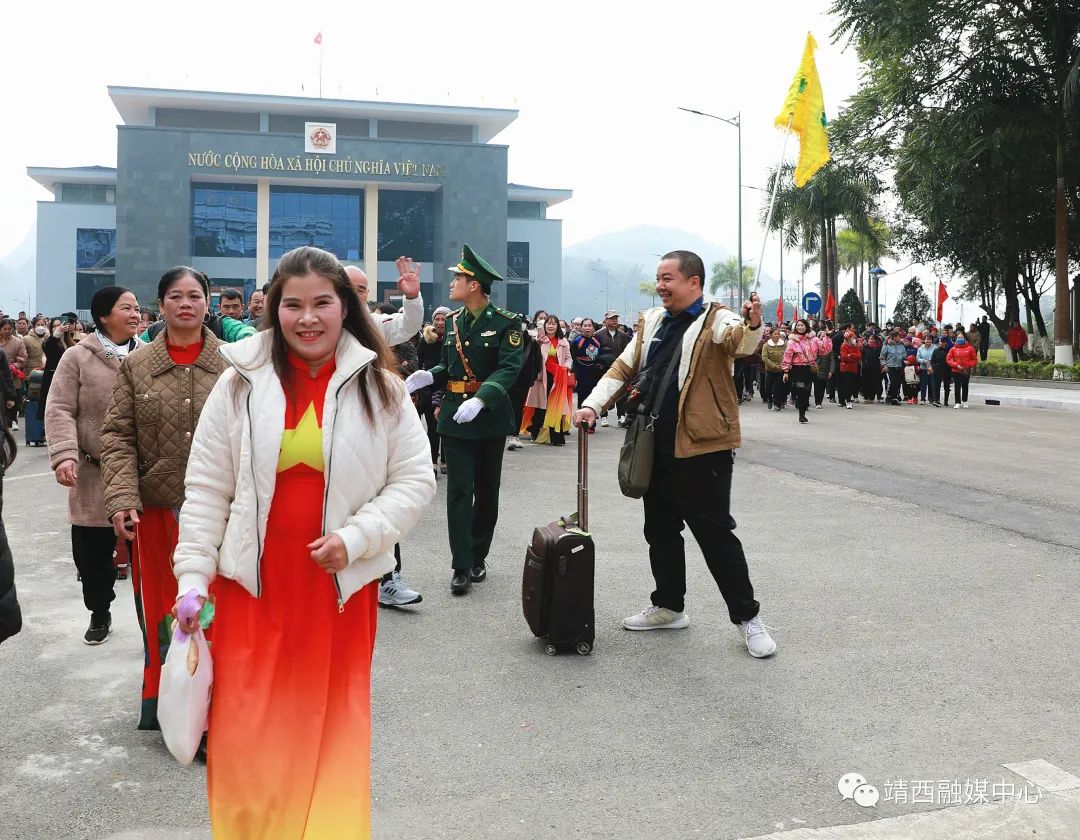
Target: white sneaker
603,421
15,426
965,405
657,618
849,405
758,641
956,406
818,407
512,443
397,593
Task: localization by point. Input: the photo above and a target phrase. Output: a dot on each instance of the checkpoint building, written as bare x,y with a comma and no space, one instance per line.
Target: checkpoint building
228,182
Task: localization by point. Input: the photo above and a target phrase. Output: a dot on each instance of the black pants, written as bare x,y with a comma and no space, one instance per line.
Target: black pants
960,383
939,379
820,386
92,549
696,492
397,566
474,471
984,348
800,380
426,409
834,380
896,377
847,387
775,388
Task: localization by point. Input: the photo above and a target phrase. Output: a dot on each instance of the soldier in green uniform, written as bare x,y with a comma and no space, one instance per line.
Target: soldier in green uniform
481,358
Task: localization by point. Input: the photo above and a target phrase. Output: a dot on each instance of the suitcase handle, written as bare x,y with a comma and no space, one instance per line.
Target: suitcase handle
583,476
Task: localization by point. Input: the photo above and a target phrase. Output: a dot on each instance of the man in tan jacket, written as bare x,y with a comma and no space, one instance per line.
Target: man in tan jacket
696,434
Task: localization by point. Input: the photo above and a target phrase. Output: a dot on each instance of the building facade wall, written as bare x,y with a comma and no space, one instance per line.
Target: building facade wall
545,261
57,224
155,168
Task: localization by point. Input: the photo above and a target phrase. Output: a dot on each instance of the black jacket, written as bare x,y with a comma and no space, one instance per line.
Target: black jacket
10,614
938,363
611,346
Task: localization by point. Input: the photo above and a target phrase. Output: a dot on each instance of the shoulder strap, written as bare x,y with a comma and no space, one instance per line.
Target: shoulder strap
664,382
460,349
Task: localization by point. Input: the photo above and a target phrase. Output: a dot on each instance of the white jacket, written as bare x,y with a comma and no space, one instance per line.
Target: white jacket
378,472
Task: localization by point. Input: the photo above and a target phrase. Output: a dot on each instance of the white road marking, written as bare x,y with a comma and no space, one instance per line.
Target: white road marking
1045,775
28,475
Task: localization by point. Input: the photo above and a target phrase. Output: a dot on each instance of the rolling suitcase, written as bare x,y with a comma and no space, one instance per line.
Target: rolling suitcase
560,564
33,425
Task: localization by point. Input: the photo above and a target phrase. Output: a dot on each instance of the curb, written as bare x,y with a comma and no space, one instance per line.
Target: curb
1029,402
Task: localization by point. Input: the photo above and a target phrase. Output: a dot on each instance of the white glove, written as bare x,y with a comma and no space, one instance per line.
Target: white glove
468,410
421,379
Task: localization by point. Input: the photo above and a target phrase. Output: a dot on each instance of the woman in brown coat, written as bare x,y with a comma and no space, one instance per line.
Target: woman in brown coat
145,442
81,388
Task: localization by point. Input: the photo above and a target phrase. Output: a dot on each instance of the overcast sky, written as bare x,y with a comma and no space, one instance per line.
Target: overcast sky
597,85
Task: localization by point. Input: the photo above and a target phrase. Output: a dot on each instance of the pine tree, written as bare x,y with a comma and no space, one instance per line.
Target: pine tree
913,305
850,310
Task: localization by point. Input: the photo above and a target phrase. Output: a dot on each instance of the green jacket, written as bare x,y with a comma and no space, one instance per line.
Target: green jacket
492,343
231,330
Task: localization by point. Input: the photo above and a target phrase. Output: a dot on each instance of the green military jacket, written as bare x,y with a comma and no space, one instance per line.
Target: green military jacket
492,344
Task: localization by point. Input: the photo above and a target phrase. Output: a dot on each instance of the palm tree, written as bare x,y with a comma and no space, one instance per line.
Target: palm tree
648,289
807,215
725,275
860,250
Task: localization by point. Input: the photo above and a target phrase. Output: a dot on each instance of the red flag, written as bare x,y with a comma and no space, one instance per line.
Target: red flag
318,38
830,306
780,311
942,296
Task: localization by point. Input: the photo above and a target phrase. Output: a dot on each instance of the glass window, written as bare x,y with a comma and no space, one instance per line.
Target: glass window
95,248
223,220
517,297
406,225
328,219
87,194
525,210
517,259
87,284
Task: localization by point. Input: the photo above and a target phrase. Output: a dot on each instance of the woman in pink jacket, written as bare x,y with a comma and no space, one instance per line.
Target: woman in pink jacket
800,362
548,403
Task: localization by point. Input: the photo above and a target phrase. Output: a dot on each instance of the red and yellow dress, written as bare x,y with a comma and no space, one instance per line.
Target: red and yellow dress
152,579
289,752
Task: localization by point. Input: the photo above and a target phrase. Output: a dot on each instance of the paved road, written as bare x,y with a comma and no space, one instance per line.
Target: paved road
920,568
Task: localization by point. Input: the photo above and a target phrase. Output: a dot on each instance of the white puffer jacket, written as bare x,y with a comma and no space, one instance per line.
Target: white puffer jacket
378,472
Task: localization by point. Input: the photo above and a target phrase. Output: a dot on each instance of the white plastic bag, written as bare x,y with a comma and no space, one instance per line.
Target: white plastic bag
187,676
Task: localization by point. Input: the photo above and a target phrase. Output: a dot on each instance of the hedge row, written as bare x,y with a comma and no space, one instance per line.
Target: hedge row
1028,370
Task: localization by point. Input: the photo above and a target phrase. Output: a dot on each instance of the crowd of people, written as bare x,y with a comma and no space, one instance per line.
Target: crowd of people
272,457
804,360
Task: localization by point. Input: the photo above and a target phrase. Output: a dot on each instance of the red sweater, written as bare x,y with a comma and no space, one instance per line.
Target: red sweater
962,359
850,358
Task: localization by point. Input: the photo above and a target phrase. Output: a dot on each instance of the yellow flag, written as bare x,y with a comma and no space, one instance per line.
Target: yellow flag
805,108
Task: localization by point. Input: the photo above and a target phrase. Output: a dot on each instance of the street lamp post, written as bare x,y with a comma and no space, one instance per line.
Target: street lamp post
737,122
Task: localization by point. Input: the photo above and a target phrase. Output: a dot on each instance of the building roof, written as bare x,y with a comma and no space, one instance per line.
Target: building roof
50,176
134,106
541,195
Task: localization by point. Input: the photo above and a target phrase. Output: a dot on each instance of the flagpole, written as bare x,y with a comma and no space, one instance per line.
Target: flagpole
320,66
772,198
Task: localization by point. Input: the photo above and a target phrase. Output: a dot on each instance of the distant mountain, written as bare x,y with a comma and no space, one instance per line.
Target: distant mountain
606,271
17,275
